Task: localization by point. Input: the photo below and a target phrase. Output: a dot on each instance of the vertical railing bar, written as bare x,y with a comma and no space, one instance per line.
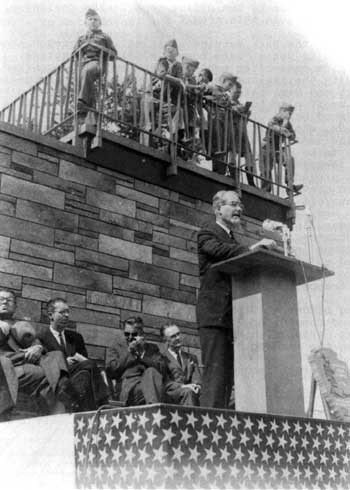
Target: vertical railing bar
124,91
42,108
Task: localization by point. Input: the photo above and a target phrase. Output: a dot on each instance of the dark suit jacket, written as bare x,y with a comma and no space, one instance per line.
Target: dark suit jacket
74,342
177,375
120,363
214,307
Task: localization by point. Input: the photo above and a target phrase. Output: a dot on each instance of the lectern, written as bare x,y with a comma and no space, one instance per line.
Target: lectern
267,358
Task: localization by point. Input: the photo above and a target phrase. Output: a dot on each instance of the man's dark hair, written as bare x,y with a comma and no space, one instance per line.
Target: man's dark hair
50,306
8,290
208,74
164,327
134,321
237,84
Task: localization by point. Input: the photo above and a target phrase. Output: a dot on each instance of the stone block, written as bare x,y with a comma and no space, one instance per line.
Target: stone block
153,274
25,269
152,189
82,315
53,285
153,218
46,215
31,232
17,172
192,281
137,196
104,309
185,214
125,221
97,335
85,176
169,309
28,309
135,286
10,281
125,249
177,253
176,265
41,251
33,192
192,246
99,226
7,207
177,295
34,163
103,200
19,144
4,246
30,259
46,156
70,188
45,294
76,240
96,353
82,278
169,240
113,300
5,159
92,257
184,224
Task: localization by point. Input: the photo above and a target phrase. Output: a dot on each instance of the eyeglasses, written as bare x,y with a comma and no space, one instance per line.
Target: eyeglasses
235,204
6,300
132,335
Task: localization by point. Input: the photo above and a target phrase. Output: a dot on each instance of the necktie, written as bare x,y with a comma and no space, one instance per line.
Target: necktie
63,345
232,235
179,360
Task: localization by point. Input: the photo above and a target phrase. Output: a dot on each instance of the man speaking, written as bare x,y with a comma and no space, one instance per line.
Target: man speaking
217,242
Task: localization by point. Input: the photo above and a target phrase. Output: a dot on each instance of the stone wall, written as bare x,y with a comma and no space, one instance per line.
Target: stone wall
111,244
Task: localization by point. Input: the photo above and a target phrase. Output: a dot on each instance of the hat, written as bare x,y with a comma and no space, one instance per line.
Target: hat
286,107
24,333
227,76
172,43
91,13
190,61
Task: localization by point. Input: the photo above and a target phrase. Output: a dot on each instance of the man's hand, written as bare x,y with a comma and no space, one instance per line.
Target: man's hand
71,360
137,346
195,388
267,243
33,354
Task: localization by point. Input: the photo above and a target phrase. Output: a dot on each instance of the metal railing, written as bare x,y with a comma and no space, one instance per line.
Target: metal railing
159,112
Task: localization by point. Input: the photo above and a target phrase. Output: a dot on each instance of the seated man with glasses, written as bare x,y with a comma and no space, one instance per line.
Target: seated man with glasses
217,242
139,364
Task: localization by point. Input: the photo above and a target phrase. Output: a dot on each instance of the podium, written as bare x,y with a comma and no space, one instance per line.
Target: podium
267,357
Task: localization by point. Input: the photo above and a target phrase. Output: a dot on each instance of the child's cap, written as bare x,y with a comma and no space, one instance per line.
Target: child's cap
91,13
172,43
190,61
227,76
286,107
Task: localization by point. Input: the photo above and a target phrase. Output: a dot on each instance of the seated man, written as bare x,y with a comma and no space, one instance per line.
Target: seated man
84,373
91,59
139,364
183,381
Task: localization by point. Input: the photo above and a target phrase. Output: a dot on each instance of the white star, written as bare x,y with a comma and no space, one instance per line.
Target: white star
185,435
327,443
308,428
150,436
248,471
248,424
345,459
204,471
220,471
343,474
285,426
178,453
129,419
76,440
320,473
230,437
136,436
129,454
81,456
277,457
142,419
143,455
301,457
338,444
293,442
331,429
265,456
170,471
116,454
191,419
188,471
221,421
335,458
319,429
123,437
282,441
244,438
159,454
80,424
96,438
168,435
92,456
252,455
85,440
297,473
216,437
210,454
304,442
235,422
285,473
103,455
99,473
312,457
332,474
234,470
194,454
261,472
261,424
297,427
206,420
111,471
323,458
289,457
124,473
316,443
239,455
270,441
308,473
347,443
109,437
103,422
116,419
201,436
90,421
158,417
273,473
224,454
274,426
257,439
151,473
137,473
341,430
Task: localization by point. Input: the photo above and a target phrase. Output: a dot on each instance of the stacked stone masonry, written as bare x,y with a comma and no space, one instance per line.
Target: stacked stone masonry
111,244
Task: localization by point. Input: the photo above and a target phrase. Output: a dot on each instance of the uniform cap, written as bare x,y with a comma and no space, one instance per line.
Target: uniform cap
190,61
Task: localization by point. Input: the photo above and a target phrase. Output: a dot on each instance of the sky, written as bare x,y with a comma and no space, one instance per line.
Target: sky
281,51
